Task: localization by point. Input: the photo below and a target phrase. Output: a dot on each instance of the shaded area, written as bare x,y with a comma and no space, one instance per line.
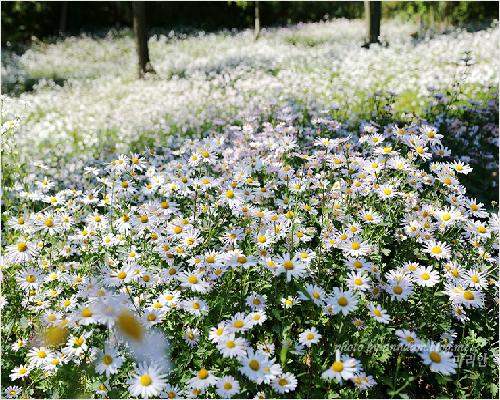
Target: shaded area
22,20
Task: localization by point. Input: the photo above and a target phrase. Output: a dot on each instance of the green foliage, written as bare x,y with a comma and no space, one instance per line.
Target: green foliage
429,13
23,19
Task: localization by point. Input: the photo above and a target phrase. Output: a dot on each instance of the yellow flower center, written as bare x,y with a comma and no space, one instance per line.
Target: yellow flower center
22,247
79,341
355,246
121,275
145,380
41,354
435,357
230,344
107,359
342,301
203,373
86,312
436,250
254,364
193,279
239,323
397,290
288,265
338,366
425,276
468,295
30,278
241,259
129,325
152,317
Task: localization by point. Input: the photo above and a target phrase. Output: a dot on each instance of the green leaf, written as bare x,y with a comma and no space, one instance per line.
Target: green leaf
283,352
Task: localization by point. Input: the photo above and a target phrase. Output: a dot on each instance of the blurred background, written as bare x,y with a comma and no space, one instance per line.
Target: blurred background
23,20
85,80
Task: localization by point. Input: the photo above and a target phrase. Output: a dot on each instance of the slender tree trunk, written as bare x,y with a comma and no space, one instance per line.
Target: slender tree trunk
64,17
141,39
373,14
257,20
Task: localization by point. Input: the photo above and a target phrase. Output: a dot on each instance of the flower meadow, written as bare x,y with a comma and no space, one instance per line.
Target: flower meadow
272,225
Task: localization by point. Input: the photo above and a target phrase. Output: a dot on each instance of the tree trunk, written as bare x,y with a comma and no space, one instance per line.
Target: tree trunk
64,17
141,39
257,20
373,13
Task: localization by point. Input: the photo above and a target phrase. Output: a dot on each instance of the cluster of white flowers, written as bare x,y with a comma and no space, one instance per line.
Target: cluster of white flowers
225,233
258,233
220,78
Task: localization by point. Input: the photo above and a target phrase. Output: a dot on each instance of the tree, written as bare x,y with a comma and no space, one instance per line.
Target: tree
141,39
64,17
373,13
257,20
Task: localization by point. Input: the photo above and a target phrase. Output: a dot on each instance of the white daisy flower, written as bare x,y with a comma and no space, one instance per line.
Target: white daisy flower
437,249
231,347
147,381
227,387
284,383
341,301
309,337
438,360
203,379
19,372
21,252
343,368
378,313
109,361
